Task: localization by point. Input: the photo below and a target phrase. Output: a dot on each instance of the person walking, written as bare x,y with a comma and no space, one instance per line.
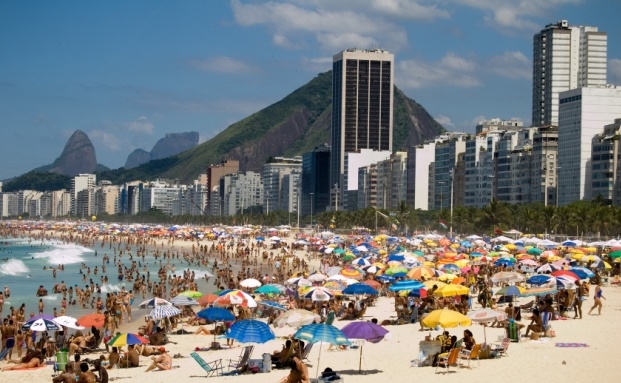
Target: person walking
597,299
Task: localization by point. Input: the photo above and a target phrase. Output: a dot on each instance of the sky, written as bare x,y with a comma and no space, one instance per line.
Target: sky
128,72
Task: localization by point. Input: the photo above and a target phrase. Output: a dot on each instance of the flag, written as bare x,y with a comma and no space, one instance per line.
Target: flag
443,224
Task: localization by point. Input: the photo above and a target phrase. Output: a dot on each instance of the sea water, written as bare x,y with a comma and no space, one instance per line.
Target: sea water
26,264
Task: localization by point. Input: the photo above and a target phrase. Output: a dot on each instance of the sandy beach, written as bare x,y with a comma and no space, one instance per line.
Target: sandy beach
391,359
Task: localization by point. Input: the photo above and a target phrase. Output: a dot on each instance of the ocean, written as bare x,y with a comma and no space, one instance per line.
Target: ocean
26,264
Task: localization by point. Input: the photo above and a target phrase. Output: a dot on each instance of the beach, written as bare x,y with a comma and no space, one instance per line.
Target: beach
391,359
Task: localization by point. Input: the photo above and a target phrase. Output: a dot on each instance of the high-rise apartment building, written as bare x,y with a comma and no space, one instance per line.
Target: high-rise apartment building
606,163
362,103
564,57
81,182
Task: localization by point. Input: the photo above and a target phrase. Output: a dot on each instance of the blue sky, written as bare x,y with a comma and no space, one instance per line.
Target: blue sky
126,73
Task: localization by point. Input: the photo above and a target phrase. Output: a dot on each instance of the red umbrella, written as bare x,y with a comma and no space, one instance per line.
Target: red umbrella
97,320
565,273
207,299
375,284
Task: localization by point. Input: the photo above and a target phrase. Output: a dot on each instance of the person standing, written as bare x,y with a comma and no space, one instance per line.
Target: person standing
579,298
597,299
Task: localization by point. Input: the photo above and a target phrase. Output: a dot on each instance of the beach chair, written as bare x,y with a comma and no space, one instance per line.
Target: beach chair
284,358
513,332
501,349
546,318
211,368
446,361
471,354
306,351
242,363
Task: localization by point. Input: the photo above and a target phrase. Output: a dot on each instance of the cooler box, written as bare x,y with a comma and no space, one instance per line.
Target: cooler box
61,360
267,363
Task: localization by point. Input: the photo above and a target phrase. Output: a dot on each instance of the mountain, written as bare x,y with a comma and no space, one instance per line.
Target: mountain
78,157
171,144
292,126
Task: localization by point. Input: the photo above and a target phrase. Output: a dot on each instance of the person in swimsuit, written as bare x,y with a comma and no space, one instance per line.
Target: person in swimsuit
34,362
597,299
86,376
161,362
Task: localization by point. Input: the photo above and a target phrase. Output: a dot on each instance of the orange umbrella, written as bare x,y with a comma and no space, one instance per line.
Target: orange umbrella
207,299
421,272
375,284
458,280
90,320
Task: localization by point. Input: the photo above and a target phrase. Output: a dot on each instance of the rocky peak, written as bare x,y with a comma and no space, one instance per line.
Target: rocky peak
78,156
170,145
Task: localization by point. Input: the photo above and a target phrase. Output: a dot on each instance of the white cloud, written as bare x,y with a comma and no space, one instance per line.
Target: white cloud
351,24
512,64
221,64
445,121
451,70
317,64
141,125
515,14
407,9
105,139
614,71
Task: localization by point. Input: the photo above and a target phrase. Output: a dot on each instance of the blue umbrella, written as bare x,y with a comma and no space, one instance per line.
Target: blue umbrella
539,279
406,285
385,278
451,267
214,314
582,272
395,257
504,262
40,324
270,289
364,330
274,305
250,331
321,332
359,289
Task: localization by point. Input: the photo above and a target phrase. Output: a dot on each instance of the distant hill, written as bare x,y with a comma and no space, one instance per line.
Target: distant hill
171,144
78,157
294,125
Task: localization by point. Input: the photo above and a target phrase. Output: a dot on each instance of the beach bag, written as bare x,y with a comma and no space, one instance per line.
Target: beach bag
534,336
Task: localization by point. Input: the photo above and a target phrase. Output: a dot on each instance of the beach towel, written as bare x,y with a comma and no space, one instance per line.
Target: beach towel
572,345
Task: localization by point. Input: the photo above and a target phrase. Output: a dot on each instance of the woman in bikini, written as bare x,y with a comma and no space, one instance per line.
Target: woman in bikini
34,362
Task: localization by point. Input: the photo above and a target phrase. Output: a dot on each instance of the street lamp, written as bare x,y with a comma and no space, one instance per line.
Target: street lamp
441,194
297,207
336,192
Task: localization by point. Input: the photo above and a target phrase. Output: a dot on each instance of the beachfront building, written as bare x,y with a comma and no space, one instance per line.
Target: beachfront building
392,181
241,192
419,159
211,198
159,195
79,183
362,105
61,203
8,204
565,57
605,162
275,195
583,113
544,166
195,199
315,180
348,199
107,198
445,159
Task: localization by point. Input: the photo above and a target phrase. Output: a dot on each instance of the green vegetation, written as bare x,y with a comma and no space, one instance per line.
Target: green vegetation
39,181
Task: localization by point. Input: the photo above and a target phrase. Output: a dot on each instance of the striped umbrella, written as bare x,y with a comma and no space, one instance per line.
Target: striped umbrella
317,294
321,332
153,302
161,312
126,339
235,297
182,300
41,324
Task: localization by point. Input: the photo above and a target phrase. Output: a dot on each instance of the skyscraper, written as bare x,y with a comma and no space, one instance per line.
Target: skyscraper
565,57
362,102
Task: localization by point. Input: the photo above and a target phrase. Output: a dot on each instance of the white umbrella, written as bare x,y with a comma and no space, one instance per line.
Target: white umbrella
69,322
317,277
154,302
296,318
183,300
486,315
338,277
161,312
250,283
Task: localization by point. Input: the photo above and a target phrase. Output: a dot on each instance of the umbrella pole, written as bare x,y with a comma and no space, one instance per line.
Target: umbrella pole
318,360
360,361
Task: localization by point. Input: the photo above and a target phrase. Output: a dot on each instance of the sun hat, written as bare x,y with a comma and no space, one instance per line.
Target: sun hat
162,349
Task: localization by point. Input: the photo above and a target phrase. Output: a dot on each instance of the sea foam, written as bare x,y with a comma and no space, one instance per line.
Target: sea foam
64,254
13,267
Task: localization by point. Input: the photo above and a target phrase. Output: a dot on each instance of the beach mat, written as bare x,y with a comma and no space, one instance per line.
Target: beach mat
572,345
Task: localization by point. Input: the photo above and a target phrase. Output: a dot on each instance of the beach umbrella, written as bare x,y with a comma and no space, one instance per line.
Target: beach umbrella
446,318
127,339
161,312
69,322
250,331
514,291
321,332
507,276
539,291
351,272
216,314
317,277
421,272
269,289
451,291
615,254
299,281
250,283
154,302
368,331
359,289
394,271
90,320
582,272
540,279
41,324
565,283
273,305
486,315
192,294
235,297
361,262
406,285
430,283
182,300
317,294
375,284
207,299
547,268
296,318
601,265
566,273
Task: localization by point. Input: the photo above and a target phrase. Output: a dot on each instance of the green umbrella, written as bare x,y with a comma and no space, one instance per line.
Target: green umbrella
615,254
534,251
349,257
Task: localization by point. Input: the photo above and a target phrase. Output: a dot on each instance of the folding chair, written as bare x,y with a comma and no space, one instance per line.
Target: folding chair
446,361
242,363
306,351
471,354
210,368
501,349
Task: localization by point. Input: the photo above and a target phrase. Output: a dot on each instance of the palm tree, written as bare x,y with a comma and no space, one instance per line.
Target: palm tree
494,214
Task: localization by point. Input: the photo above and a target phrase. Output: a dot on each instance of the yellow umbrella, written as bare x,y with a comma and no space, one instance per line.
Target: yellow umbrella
446,318
421,272
432,265
607,265
430,283
462,263
447,277
379,265
510,246
455,245
451,291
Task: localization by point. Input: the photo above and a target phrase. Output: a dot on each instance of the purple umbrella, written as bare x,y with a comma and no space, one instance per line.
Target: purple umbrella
368,331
